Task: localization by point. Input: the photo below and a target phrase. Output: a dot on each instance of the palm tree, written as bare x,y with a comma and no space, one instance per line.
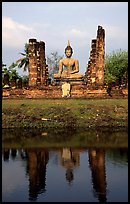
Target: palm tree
24,61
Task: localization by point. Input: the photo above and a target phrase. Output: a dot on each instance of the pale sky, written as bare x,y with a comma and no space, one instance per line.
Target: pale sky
57,22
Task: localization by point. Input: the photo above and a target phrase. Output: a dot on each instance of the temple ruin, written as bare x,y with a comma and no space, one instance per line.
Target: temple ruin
89,85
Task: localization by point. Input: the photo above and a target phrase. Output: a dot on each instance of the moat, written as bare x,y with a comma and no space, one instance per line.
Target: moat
91,170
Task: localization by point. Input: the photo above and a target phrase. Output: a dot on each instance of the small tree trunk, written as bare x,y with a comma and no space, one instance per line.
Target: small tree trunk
6,81
19,83
13,83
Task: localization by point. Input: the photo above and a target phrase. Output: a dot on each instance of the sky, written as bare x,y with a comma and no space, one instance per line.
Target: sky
57,22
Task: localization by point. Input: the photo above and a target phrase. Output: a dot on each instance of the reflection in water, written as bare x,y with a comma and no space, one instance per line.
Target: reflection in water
6,154
38,158
13,153
36,165
97,166
120,156
53,137
70,159
23,154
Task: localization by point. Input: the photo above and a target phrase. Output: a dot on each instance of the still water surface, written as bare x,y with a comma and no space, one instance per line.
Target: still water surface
65,174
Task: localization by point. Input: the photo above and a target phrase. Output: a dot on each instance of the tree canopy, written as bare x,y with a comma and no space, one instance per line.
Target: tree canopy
116,67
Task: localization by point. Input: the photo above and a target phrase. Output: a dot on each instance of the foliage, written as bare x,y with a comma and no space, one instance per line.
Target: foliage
3,65
109,78
13,74
53,61
4,69
116,67
24,61
13,65
20,63
10,71
25,80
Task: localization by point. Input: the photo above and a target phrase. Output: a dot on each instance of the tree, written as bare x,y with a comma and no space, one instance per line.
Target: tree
53,63
116,67
4,72
24,61
11,71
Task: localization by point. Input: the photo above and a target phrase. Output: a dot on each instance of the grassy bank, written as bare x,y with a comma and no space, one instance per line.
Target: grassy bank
51,138
64,113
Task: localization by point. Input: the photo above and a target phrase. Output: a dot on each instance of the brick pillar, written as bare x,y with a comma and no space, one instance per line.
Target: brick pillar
100,56
91,71
38,65
42,62
95,71
47,74
93,57
32,62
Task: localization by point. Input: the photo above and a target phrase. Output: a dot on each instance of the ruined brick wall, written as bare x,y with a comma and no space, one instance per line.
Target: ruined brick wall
95,70
37,63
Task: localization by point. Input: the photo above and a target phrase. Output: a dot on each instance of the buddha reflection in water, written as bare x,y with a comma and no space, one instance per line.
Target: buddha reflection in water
37,161
69,160
97,166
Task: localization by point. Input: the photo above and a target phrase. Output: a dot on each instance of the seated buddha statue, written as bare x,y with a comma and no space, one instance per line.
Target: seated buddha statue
68,67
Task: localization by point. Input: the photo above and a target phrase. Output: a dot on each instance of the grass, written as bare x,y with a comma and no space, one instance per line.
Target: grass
64,113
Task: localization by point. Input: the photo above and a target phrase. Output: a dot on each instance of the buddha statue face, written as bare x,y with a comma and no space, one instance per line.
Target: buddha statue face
68,51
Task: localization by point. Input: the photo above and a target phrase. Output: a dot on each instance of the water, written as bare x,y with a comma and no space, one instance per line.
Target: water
65,174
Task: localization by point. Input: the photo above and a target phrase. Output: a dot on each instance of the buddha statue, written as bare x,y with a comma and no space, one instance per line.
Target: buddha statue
68,67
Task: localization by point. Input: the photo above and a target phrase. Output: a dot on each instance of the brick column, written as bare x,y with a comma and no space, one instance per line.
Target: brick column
91,71
95,70
38,65
100,56
32,62
38,74
42,62
93,56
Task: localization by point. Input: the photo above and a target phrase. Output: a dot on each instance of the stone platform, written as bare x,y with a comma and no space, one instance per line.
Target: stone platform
55,91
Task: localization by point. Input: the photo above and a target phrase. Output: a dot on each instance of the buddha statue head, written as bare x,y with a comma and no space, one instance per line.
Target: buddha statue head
68,50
